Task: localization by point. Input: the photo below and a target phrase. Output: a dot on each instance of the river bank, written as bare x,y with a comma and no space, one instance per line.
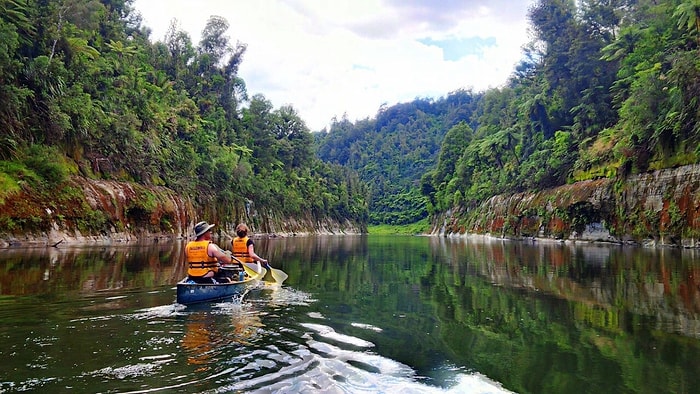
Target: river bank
659,208
106,212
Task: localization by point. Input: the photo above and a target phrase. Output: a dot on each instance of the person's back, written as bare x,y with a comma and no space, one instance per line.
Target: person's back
239,247
243,247
202,257
199,263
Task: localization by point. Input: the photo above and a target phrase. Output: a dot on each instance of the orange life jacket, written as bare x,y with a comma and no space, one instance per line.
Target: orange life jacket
240,249
198,259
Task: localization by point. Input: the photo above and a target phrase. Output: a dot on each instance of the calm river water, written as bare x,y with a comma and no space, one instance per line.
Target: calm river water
358,314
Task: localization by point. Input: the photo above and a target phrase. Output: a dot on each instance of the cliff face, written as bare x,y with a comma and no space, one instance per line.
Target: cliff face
661,207
100,211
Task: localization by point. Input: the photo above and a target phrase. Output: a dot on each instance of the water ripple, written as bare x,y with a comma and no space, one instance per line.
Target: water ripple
331,334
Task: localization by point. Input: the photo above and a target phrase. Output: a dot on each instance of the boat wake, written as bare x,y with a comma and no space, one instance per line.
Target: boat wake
268,342
331,362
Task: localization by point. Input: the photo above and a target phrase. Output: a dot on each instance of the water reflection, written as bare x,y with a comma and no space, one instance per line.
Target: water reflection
89,270
199,340
603,318
358,313
664,283
539,317
204,340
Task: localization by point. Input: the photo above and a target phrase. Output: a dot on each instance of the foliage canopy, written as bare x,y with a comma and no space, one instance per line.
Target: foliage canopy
84,87
604,89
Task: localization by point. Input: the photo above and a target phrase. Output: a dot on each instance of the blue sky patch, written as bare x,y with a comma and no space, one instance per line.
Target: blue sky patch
361,67
455,49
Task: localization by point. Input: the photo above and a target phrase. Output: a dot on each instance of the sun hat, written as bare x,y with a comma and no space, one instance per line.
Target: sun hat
201,228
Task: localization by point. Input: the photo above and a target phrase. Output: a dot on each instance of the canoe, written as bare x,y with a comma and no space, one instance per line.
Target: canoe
189,292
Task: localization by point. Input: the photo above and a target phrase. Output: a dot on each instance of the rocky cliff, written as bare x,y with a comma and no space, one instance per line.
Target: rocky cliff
84,210
657,208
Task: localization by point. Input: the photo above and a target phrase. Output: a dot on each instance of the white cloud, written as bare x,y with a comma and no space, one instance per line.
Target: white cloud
327,58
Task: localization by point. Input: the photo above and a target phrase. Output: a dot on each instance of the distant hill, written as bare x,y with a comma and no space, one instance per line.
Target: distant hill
392,151
604,90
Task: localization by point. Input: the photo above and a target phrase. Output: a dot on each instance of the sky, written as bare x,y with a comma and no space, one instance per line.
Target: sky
336,58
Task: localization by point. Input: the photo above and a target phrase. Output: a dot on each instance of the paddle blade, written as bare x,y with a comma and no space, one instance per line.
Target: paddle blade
254,270
278,275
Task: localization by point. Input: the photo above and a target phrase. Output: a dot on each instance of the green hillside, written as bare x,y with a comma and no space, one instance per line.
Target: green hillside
85,93
605,89
392,151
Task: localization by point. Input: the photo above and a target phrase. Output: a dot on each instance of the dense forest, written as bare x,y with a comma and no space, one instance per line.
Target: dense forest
86,93
605,89
392,151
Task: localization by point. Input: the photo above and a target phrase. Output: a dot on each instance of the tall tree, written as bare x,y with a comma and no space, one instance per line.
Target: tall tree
15,29
688,14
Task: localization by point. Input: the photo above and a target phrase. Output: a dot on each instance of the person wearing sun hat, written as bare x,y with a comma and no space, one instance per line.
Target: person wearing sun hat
203,257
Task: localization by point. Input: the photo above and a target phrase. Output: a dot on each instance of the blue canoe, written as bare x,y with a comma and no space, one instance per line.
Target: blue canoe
189,292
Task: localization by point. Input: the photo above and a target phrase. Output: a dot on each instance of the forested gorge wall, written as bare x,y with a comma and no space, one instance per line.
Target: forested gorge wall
103,211
656,208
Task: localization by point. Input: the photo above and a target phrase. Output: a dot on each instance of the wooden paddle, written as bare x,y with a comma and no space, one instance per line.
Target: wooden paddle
254,270
278,275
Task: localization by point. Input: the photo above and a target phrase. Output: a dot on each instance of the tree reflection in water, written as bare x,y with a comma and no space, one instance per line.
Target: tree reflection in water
536,317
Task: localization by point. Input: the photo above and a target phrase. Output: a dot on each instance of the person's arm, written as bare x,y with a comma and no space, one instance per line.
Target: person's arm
251,253
215,251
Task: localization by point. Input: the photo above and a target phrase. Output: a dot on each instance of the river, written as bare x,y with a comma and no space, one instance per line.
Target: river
358,314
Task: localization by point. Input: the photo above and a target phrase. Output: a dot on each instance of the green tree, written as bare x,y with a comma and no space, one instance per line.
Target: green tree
15,27
688,14
453,146
293,138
